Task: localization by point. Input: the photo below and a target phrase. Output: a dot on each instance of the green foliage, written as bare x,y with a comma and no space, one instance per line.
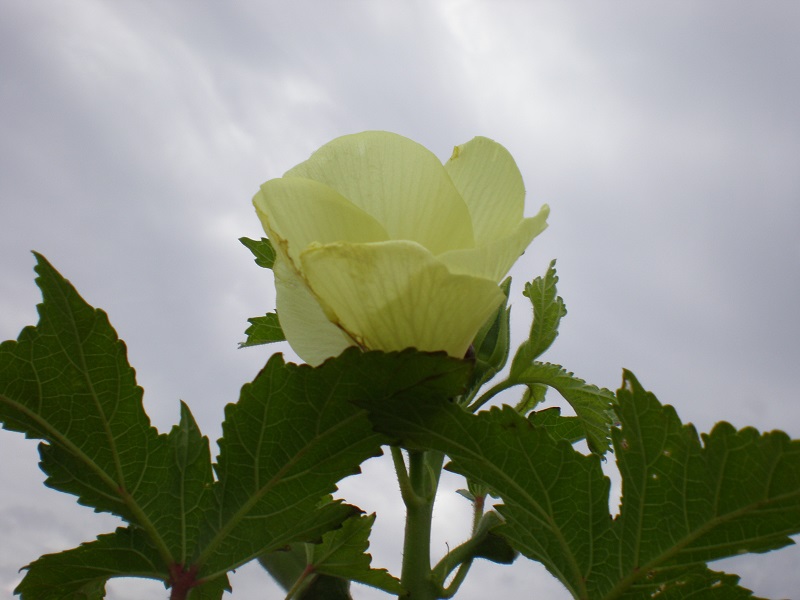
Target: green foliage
342,553
548,310
296,431
325,569
262,250
263,330
592,405
290,438
684,502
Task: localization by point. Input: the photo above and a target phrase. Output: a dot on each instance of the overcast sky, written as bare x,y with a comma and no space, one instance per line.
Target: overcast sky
664,136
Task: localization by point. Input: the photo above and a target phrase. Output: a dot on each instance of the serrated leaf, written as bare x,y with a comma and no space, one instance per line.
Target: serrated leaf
683,503
262,250
290,438
263,330
342,553
556,499
699,583
83,571
548,309
294,434
592,405
560,428
67,381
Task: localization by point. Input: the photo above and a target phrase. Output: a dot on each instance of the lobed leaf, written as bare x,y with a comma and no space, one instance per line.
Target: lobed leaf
67,381
287,442
684,502
83,571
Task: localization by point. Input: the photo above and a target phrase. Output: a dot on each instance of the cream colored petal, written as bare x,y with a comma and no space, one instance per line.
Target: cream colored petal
309,332
296,212
397,181
396,295
493,260
490,183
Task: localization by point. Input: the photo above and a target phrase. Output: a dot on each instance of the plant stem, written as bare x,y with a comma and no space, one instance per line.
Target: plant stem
424,468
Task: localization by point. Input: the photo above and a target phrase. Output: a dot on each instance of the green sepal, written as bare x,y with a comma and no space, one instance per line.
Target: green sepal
491,345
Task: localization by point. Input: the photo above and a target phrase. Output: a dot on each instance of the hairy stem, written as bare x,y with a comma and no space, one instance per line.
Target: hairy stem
424,468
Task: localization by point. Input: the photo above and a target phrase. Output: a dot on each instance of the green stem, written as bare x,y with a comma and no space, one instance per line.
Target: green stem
491,393
424,468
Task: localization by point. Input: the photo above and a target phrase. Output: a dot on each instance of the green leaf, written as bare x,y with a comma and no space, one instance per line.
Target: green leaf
684,503
67,381
532,397
699,583
560,428
287,442
294,434
83,571
263,330
262,250
592,405
548,309
342,553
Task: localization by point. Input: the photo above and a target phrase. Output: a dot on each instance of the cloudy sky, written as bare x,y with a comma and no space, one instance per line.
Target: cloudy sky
664,136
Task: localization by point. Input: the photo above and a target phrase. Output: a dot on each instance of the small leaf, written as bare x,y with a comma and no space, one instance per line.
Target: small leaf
592,405
262,250
560,428
263,330
342,553
548,310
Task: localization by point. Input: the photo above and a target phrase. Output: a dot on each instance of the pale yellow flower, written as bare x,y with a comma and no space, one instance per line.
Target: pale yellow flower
381,246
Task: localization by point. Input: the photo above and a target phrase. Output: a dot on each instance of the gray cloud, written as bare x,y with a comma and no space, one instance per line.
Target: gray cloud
664,138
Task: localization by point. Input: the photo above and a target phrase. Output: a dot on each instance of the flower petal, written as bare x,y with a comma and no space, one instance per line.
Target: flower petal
312,336
494,259
296,212
395,295
397,181
491,185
